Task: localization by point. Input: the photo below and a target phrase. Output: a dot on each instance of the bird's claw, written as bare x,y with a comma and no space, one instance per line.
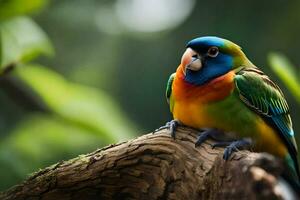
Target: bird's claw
220,144
207,134
228,151
172,126
233,146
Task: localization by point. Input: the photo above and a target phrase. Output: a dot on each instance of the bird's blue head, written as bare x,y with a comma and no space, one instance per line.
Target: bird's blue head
207,58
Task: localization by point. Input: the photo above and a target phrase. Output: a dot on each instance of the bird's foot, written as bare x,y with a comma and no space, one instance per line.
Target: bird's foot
208,134
233,146
172,126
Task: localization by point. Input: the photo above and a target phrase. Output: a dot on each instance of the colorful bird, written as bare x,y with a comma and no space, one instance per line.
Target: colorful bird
217,89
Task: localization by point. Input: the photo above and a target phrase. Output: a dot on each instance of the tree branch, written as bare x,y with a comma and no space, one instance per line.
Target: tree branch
155,166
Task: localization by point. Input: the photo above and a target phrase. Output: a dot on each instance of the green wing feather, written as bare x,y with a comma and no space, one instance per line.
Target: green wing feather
263,96
169,91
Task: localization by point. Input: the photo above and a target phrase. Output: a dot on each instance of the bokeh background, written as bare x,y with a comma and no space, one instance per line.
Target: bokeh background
77,75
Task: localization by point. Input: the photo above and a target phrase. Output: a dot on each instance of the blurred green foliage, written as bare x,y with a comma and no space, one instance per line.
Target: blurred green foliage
52,118
83,106
11,8
21,41
287,73
41,140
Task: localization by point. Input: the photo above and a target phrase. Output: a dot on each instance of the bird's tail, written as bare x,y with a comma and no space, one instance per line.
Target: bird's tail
292,175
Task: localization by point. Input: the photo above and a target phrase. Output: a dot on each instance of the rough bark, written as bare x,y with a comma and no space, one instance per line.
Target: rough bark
155,166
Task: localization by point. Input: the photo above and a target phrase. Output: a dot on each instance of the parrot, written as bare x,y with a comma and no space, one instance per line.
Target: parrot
218,90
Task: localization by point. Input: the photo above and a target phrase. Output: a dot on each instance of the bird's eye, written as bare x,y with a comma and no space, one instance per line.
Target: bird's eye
213,51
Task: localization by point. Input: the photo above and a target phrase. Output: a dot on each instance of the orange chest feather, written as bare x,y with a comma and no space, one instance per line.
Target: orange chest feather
215,90
190,101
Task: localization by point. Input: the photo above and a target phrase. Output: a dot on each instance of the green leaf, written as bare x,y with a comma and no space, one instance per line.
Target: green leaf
10,8
83,106
39,141
286,72
21,40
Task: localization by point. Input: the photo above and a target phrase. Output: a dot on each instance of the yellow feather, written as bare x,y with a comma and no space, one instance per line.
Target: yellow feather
269,141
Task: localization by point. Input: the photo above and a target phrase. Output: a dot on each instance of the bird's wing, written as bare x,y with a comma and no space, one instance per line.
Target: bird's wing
169,90
263,96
